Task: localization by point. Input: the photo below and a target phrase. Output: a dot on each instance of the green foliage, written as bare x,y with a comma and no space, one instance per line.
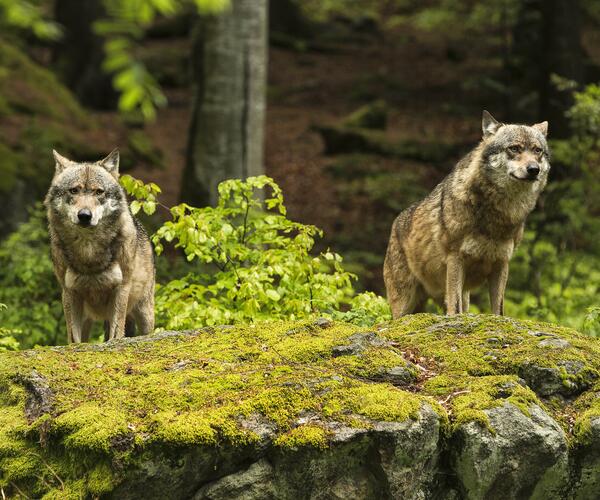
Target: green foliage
248,263
123,29
591,323
555,274
365,309
29,16
7,340
254,263
29,288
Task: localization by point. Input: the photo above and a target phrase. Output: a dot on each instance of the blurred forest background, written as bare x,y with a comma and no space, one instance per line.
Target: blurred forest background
356,108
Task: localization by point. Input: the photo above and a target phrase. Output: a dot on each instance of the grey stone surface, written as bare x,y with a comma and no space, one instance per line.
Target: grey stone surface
568,379
520,457
254,483
587,482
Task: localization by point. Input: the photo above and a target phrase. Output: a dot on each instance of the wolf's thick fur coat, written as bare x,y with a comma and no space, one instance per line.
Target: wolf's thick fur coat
102,256
464,233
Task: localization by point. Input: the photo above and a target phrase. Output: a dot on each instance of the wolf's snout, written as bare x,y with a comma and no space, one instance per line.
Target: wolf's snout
533,169
85,217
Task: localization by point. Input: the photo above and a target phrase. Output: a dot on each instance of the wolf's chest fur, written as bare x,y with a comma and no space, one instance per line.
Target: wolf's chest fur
90,254
100,282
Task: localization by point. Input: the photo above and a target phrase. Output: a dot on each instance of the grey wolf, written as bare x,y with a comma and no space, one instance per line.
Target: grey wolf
102,256
464,233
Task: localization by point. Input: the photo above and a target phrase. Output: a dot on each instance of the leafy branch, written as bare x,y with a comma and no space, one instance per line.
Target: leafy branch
265,266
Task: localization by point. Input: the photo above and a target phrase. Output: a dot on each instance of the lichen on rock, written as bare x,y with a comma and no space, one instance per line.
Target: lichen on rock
407,409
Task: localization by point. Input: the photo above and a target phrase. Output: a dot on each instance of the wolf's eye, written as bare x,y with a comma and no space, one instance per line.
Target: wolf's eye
99,192
514,148
74,190
537,151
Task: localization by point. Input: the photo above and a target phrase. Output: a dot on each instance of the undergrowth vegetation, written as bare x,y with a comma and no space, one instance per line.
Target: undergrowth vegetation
252,263
555,274
247,262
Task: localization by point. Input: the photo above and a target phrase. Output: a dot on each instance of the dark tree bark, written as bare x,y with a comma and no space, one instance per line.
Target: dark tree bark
79,55
546,42
563,55
285,16
227,131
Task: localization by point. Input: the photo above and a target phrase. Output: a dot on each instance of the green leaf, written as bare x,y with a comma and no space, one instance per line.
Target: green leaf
135,206
273,294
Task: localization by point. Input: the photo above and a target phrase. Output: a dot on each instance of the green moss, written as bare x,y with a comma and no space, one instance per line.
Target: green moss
114,402
467,398
372,363
586,408
100,480
304,435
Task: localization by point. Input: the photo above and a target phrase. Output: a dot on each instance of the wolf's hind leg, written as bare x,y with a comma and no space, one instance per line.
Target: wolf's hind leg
404,293
466,300
143,312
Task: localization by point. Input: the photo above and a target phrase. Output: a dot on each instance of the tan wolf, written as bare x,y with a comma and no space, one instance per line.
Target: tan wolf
102,256
464,233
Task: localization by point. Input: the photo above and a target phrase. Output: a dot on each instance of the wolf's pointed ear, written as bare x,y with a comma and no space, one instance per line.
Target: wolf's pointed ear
542,127
61,162
111,163
489,124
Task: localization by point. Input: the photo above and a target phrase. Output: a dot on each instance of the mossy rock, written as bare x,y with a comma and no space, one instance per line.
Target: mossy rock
297,410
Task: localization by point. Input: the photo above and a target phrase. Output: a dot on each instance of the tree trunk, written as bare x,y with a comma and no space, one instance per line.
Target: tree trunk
226,137
79,55
546,42
562,55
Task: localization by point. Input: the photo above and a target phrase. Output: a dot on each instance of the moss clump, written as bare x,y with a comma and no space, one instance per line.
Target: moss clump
467,398
476,362
304,435
585,409
113,403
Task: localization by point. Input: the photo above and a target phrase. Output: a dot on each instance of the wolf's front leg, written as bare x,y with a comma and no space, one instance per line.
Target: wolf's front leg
119,311
73,308
455,276
497,286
